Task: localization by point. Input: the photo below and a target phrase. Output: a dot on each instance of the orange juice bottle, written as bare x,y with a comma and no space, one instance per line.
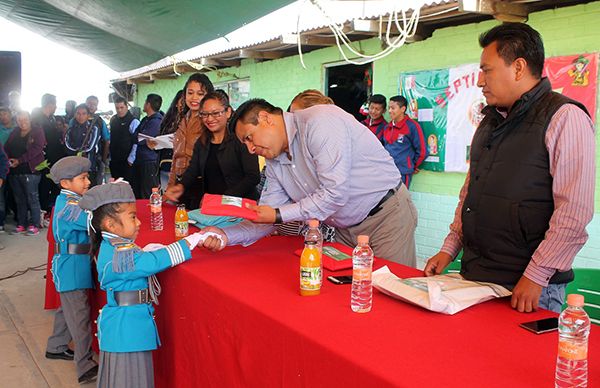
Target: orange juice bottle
181,222
311,275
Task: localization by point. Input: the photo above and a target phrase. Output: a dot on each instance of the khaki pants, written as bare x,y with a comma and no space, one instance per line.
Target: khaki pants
391,231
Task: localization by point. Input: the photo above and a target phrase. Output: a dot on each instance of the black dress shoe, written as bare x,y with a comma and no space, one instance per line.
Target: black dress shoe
89,376
66,355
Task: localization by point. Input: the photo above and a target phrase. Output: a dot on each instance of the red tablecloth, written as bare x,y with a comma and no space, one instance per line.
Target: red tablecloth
235,319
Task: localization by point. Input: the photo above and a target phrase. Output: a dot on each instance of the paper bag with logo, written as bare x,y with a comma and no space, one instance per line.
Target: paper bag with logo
446,294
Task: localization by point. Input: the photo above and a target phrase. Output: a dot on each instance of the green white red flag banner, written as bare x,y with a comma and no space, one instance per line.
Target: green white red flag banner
447,103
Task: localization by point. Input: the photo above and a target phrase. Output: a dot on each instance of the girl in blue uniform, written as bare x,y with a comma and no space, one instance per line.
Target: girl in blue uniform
126,329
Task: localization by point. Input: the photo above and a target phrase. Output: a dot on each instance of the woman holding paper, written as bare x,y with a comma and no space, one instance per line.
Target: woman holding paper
190,128
219,161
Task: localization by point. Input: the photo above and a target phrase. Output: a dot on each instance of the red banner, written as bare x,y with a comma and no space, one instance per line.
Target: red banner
576,77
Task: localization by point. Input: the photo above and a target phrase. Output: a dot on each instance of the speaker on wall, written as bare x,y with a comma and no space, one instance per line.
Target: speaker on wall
10,74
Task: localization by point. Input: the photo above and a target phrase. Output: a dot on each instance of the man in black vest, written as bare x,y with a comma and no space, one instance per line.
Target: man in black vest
529,193
123,142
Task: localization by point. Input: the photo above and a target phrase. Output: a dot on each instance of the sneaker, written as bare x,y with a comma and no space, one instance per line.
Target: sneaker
32,231
89,376
20,229
66,355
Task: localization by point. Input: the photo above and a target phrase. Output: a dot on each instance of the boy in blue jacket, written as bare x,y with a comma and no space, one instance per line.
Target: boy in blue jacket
403,138
72,269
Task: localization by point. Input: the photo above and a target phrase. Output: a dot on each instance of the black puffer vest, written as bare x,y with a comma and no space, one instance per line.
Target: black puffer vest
121,140
507,210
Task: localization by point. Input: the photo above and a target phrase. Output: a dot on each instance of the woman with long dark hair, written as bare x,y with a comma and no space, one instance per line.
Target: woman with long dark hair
221,163
25,150
189,130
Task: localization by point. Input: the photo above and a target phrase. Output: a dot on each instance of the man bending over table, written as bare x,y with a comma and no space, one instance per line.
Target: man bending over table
321,163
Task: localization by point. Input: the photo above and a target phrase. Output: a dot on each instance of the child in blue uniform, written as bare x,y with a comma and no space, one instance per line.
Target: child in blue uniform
126,329
72,269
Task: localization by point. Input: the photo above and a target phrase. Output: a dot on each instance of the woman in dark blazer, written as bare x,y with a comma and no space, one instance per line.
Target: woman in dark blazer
219,161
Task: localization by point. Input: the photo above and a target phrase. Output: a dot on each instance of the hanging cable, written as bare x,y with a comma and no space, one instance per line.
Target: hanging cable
407,27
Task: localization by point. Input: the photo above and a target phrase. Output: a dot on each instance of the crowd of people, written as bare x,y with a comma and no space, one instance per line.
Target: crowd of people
532,165
205,158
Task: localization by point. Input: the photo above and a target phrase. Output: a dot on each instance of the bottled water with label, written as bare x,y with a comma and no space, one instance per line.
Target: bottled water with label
573,333
156,216
361,298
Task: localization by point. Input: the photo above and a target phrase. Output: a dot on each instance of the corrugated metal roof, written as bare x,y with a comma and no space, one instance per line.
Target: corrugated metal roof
300,16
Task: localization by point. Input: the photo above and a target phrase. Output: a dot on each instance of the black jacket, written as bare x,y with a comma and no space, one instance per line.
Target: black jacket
509,202
239,167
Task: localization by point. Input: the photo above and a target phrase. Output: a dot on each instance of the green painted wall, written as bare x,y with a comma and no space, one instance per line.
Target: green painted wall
566,31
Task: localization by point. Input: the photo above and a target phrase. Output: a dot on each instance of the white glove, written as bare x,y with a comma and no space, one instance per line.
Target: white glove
193,240
199,237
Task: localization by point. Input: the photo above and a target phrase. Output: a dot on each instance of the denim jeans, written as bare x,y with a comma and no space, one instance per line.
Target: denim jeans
553,297
25,190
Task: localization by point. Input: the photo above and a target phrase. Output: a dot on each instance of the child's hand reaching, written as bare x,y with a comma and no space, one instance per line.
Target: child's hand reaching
197,238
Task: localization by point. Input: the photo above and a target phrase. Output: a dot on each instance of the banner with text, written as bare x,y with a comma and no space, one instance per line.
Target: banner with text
447,104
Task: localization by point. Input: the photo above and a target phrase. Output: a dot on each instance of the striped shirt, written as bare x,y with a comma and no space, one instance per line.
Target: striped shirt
570,141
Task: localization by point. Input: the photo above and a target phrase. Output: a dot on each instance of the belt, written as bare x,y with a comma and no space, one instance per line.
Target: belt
379,205
130,298
73,249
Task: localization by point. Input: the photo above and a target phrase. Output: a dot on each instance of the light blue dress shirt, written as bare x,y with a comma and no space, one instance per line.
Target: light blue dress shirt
337,172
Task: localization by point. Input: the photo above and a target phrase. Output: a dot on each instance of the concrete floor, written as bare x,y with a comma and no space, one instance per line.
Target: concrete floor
24,324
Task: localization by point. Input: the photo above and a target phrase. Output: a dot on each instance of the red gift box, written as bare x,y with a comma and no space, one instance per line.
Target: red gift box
226,205
336,256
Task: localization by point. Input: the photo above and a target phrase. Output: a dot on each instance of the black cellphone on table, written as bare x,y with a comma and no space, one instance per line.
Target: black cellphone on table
541,326
340,279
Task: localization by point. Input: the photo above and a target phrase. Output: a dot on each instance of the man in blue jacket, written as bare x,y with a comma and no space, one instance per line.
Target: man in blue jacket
145,167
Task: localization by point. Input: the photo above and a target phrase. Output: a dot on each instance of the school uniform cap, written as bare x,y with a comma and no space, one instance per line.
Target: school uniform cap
114,192
69,167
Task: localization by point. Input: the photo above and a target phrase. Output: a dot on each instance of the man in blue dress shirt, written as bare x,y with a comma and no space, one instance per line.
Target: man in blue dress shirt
323,164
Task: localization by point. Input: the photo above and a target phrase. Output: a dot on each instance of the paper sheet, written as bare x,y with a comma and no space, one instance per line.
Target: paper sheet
164,141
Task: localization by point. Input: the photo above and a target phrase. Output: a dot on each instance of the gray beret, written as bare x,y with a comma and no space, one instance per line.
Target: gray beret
116,192
69,167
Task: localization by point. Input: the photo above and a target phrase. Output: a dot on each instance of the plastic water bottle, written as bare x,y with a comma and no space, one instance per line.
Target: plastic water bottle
156,216
314,234
181,222
573,333
361,298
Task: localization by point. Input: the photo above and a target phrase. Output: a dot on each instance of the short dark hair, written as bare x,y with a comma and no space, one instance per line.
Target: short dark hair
517,40
91,98
155,101
119,100
400,100
378,99
248,112
48,99
82,106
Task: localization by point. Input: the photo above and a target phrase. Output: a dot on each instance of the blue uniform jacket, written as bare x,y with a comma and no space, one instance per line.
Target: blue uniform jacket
69,226
131,328
405,142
